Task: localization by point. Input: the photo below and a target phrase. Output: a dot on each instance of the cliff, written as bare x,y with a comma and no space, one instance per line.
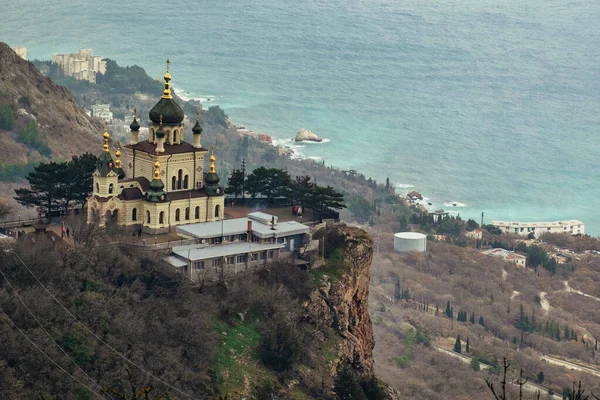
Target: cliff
342,304
338,309
61,124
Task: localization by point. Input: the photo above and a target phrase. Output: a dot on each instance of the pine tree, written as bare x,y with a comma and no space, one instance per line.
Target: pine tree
457,345
397,290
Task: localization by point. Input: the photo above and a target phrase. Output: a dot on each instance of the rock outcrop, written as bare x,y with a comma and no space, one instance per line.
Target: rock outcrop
305,135
341,305
61,124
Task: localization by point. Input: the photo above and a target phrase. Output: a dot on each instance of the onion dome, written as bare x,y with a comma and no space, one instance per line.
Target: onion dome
120,172
166,106
160,133
134,125
156,193
211,180
197,129
105,162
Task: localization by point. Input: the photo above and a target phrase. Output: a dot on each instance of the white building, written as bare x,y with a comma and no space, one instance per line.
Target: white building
510,256
571,227
236,245
102,111
82,65
21,52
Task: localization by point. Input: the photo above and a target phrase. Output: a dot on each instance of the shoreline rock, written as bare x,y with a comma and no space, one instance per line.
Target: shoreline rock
306,135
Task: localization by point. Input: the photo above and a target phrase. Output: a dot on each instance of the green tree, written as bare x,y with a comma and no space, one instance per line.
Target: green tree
475,365
270,182
235,183
324,198
78,180
481,321
540,377
347,385
55,185
467,348
472,225
457,345
47,188
403,223
397,290
7,117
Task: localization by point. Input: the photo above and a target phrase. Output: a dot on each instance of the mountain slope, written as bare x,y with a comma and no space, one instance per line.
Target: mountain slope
61,124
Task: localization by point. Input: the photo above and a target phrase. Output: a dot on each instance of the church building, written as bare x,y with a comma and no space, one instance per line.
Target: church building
165,184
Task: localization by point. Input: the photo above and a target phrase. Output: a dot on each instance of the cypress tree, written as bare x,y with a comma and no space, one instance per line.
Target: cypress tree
467,348
457,345
481,321
448,311
397,290
472,319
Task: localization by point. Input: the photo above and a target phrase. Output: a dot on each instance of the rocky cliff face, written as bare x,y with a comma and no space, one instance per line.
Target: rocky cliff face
61,123
342,305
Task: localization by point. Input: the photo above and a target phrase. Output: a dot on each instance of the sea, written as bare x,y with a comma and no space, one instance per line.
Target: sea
486,106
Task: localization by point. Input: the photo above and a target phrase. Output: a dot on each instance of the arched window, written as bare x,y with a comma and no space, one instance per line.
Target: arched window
97,188
134,214
217,209
185,181
187,213
111,188
148,217
175,136
173,183
197,212
161,217
179,178
177,215
152,139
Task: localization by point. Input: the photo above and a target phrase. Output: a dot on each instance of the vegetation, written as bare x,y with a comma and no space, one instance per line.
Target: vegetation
14,172
29,136
57,186
7,117
275,183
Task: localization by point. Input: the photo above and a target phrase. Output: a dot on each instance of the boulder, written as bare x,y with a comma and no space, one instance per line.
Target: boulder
306,135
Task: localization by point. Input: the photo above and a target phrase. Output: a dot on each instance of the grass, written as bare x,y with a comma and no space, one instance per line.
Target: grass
236,366
334,268
407,353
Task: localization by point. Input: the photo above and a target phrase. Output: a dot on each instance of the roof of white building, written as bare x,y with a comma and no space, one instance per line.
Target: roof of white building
537,224
503,253
199,252
239,226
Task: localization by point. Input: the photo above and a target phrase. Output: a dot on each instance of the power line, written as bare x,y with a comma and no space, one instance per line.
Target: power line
94,334
48,357
48,333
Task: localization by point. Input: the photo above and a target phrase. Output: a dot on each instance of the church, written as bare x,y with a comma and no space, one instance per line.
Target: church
165,184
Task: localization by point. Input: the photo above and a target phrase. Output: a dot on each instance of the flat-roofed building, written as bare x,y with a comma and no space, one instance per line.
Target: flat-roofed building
516,258
257,227
571,227
201,261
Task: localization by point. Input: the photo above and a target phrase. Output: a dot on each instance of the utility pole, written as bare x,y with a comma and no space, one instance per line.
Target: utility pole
243,179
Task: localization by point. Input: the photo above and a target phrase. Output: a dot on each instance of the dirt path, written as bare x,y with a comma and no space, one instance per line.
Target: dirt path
569,289
544,302
570,365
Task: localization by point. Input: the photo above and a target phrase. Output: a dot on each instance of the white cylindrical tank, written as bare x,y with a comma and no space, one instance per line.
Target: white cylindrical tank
409,241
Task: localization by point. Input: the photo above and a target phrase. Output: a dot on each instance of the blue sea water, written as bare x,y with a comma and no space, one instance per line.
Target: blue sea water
493,105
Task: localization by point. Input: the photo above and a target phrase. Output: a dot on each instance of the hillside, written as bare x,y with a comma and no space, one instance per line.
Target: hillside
534,318
60,123
284,333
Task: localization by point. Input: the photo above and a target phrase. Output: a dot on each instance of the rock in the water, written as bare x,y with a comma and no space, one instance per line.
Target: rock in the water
306,135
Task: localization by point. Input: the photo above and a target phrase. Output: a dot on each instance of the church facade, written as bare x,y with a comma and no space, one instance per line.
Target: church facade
165,184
